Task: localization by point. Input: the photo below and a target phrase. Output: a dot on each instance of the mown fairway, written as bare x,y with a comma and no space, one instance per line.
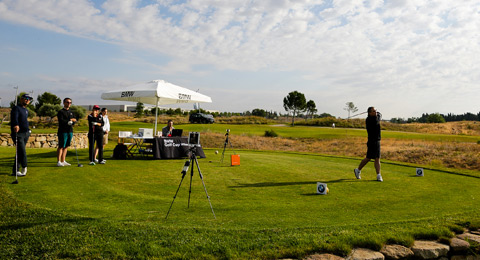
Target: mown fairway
265,208
269,190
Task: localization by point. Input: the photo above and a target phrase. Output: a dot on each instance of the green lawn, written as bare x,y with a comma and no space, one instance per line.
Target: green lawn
297,131
265,208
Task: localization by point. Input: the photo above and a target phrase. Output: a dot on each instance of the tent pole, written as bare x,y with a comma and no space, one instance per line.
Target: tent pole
156,117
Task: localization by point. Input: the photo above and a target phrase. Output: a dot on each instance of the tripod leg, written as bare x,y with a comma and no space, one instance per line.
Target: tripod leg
224,146
204,187
191,177
183,176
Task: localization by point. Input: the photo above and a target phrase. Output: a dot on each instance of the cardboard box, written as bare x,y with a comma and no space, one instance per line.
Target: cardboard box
145,132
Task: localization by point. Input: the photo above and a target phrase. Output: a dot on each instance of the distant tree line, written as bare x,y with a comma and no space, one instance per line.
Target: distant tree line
438,118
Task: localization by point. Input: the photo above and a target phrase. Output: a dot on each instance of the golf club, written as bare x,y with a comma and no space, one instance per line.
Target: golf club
75,145
357,114
16,160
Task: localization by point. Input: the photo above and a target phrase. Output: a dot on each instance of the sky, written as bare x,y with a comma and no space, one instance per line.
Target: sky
404,57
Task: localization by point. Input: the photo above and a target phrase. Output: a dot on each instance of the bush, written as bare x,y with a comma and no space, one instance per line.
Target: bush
270,133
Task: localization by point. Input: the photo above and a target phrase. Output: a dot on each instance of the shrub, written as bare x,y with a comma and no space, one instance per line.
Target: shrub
270,133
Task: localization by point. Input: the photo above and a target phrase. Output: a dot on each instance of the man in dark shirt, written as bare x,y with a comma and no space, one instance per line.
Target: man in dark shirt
66,120
373,144
167,130
20,133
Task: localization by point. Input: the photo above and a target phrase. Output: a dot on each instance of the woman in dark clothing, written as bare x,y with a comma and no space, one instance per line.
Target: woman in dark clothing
95,134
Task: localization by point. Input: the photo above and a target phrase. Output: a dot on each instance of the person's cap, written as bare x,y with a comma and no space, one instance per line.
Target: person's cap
96,107
27,97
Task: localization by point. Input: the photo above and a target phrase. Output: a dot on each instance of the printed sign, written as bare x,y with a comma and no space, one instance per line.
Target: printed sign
322,188
128,93
419,172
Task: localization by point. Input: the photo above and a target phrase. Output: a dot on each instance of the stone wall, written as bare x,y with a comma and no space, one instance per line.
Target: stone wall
461,247
46,140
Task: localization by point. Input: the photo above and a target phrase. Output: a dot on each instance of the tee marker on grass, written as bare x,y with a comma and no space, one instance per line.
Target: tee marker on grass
419,172
322,188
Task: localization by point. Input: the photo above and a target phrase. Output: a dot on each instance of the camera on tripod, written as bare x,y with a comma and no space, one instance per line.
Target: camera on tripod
193,142
228,132
194,139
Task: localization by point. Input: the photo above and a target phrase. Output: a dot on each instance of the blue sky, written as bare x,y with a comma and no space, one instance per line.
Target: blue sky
403,57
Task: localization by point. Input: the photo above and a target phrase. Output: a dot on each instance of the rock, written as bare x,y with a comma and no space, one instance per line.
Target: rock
465,257
396,252
323,257
469,236
365,254
459,245
429,249
41,138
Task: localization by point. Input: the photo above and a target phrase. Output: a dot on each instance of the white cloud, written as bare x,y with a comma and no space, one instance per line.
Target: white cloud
412,47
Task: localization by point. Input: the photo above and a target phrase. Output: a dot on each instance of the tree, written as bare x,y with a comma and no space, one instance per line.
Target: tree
350,108
294,102
47,98
139,110
322,115
435,118
259,112
49,110
311,108
78,111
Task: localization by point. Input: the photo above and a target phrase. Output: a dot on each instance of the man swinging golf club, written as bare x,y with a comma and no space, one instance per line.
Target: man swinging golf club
373,144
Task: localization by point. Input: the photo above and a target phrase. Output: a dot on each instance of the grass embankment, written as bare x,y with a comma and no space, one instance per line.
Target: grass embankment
266,208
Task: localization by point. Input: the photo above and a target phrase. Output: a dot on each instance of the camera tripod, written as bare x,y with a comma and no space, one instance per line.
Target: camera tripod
189,162
227,141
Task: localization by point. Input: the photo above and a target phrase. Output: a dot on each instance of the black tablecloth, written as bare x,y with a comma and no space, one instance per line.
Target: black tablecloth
173,148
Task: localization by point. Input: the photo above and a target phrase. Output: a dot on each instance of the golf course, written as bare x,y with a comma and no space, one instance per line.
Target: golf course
265,208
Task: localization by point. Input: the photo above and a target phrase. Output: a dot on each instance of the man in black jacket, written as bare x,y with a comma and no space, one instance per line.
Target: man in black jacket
66,120
95,135
20,132
373,144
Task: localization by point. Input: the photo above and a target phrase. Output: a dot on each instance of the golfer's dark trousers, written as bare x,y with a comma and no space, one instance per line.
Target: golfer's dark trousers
22,139
92,138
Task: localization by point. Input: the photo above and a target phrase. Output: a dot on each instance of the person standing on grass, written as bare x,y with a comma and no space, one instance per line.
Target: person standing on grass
20,132
95,135
373,144
106,129
66,120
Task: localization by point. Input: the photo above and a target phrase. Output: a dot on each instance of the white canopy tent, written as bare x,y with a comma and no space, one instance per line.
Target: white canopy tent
156,92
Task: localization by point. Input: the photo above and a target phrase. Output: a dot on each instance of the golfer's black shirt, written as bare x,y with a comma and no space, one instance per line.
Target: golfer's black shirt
63,117
95,129
373,129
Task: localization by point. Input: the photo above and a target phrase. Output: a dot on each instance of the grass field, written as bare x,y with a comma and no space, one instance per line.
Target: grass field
266,208
302,131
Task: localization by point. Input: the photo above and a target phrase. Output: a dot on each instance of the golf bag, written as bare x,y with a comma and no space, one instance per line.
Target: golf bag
120,151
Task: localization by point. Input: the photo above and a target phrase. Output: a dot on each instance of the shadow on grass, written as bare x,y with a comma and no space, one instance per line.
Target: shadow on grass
390,163
278,184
